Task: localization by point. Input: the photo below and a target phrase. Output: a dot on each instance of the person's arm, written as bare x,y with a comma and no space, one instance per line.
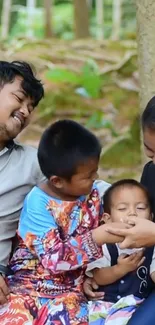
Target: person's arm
142,234
153,276
55,254
125,264
8,229
152,267
58,256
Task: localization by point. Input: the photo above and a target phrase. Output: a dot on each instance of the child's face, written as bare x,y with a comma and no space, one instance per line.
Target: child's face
81,183
128,202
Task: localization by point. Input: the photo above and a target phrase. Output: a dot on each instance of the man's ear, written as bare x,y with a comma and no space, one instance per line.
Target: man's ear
56,181
106,217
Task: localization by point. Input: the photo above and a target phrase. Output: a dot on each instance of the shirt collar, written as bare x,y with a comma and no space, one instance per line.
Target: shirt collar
9,146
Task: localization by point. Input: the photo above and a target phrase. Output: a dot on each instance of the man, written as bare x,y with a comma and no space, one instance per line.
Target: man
20,93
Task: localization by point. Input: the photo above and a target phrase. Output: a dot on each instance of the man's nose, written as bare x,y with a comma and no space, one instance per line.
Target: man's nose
24,110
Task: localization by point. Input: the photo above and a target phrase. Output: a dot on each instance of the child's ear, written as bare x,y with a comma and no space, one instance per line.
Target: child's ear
106,217
151,217
56,181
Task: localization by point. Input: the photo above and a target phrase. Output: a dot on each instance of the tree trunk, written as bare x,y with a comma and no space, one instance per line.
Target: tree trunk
48,26
100,19
116,20
145,10
146,49
81,18
6,13
90,4
31,4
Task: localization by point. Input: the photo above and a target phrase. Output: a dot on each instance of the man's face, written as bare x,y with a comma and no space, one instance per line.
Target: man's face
15,110
149,143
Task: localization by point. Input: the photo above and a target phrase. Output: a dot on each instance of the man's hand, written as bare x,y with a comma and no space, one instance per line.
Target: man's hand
101,236
88,287
131,262
4,291
141,234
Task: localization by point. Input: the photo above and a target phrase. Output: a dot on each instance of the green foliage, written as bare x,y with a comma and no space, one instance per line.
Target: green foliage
97,120
63,19
62,22
125,153
89,78
59,75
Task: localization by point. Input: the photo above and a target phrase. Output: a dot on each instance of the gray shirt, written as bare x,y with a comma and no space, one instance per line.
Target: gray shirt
19,172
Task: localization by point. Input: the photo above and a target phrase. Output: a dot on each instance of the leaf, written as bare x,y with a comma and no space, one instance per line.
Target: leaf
91,80
63,76
95,121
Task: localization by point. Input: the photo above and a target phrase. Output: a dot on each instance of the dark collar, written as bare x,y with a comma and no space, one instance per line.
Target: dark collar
10,144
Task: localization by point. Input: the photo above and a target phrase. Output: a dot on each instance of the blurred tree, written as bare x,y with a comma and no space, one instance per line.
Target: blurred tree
5,20
81,18
146,49
31,4
90,4
48,26
100,18
116,20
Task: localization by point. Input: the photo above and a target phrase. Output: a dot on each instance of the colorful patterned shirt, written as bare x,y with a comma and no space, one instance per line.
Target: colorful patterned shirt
55,242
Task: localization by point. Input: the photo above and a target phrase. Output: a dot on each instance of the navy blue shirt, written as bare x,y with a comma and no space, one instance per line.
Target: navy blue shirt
137,283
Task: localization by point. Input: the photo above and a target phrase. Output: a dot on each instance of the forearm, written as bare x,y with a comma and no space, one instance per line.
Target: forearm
153,276
108,275
66,255
101,236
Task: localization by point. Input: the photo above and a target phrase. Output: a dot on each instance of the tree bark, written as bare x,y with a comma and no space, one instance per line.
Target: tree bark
146,49
48,25
100,19
81,19
6,13
116,20
145,11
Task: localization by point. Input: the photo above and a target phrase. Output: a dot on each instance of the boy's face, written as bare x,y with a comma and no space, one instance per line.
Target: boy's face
81,183
128,202
15,110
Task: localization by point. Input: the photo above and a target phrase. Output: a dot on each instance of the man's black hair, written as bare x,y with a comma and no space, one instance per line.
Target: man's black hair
31,86
124,183
65,145
148,116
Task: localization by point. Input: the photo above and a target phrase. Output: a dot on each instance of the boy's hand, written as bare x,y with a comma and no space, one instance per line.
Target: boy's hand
131,262
4,291
89,286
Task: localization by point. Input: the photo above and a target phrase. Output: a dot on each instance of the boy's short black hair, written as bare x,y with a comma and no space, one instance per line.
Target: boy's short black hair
32,87
126,183
148,116
65,145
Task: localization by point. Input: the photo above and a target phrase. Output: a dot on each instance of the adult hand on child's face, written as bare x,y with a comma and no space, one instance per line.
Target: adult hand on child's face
88,287
141,234
4,291
131,262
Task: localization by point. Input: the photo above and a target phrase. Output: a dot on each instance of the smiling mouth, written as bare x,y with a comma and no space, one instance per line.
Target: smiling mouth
19,118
